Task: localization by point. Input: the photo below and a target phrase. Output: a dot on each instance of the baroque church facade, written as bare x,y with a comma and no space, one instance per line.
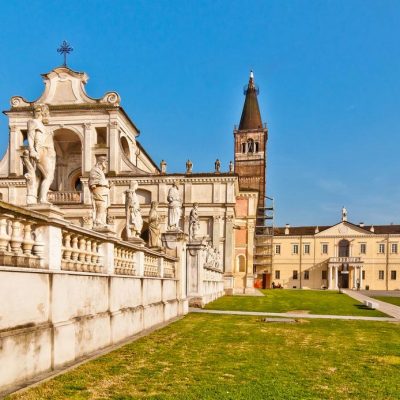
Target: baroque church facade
85,129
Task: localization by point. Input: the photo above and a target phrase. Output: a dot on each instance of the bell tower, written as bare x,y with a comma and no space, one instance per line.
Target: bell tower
251,144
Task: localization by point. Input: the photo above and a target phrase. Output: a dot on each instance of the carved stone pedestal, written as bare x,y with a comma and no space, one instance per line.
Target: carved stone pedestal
48,210
175,243
136,240
195,261
104,229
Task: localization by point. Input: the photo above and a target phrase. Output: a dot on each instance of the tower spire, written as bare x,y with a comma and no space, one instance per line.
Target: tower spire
251,116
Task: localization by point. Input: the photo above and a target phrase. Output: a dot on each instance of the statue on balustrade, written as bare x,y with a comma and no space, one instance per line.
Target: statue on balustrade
134,220
40,158
194,224
100,190
174,207
154,226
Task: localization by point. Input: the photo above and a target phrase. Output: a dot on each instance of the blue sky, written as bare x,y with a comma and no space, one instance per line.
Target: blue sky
328,73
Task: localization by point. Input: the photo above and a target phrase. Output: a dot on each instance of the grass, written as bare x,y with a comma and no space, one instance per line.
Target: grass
312,301
388,299
204,357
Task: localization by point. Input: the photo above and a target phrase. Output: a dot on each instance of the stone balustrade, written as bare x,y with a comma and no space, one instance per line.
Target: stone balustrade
169,269
64,197
31,239
81,252
20,244
151,266
125,260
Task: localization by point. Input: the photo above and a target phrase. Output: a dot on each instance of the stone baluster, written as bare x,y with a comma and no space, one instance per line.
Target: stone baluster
74,252
16,239
88,255
27,242
4,236
82,253
99,263
67,251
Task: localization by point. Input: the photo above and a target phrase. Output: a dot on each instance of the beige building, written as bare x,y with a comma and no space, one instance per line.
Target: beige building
344,255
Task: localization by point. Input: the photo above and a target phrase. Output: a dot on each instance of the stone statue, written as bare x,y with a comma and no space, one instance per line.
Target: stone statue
100,189
163,167
174,207
210,256
189,166
217,165
231,167
344,214
40,160
134,220
154,226
194,224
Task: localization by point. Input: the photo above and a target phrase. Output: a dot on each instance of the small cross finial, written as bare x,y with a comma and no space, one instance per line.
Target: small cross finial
65,49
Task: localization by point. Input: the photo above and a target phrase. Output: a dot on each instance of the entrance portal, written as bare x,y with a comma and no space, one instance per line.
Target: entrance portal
343,280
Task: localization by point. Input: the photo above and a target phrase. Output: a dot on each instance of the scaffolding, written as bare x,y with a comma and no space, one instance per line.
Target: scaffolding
264,233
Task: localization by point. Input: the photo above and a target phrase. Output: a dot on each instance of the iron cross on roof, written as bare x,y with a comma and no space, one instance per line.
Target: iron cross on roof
65,49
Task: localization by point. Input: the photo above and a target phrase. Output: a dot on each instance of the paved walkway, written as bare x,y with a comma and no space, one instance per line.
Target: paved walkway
292,315
389,309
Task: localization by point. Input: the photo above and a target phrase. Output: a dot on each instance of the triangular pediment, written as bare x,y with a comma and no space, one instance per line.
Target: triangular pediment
344,228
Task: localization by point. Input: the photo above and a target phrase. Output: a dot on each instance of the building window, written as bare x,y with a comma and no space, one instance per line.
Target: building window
324,274
324,248
295,249
243,147
277,274
394,248
363,274
381,275
393,275
295,274
241,263
306,249
381,249
306,275
363,248
250,146
277,249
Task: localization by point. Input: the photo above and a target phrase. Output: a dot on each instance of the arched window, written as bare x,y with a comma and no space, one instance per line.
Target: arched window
125,147
257,146
250,146
78,185
241,263
243,147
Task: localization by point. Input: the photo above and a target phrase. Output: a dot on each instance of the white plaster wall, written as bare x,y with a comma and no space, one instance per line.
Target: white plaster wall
49,319
25,299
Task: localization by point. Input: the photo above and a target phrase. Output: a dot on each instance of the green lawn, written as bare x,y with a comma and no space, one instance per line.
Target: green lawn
204,357
312,301
387,299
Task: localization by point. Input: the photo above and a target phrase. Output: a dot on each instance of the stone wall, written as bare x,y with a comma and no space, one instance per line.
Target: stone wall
54,318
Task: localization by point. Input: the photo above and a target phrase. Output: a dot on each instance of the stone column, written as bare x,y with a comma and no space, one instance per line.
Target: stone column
229,247
216,233
15,163
361,279
249,288
114,155
175,245
87,162
195,272
336,277
330,286
355,278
